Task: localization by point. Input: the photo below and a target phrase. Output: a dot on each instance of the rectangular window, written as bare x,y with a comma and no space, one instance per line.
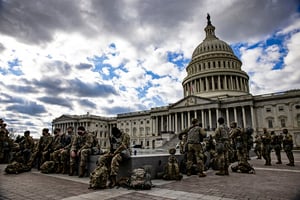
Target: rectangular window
270,123
268,109
282,121
280,108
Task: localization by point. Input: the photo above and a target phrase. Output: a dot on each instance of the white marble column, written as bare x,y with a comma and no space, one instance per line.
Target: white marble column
202,118
244,117
253,120
227,116
176,123
235,114
182,122
209,118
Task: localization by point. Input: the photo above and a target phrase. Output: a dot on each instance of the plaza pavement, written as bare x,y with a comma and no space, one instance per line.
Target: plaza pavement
276,182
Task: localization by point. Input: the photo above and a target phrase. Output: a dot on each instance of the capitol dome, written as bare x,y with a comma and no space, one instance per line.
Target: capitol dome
214,70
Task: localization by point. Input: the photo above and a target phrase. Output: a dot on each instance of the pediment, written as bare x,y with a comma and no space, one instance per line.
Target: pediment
191,100
64,117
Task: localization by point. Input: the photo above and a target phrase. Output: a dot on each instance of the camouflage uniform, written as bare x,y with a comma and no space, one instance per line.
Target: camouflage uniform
65,153
172,167
239,139
41,150
82,147
119,151
222,147
266,149
288,147
194,138
26,146
258,146
276,142
59,143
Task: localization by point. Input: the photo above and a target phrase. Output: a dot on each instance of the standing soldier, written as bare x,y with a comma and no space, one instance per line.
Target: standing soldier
266,149
258,146
119,151
222,147
195,136
288,146
81,148
277,145
41,148
239,139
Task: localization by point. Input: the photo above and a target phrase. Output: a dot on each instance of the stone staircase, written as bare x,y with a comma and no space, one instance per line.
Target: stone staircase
171,143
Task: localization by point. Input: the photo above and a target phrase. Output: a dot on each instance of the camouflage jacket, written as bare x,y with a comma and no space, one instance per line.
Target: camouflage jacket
82,142
119,144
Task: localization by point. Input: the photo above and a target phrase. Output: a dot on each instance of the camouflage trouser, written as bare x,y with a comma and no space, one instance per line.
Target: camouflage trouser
195,150
257,151
114,162
55,156
223,157
290,155
242,155
65,155
278,155
84,154
266,153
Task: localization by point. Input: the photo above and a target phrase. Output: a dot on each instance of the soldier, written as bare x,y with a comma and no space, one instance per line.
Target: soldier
65,152
258,146
26,145
276,142
222,147
239,139
81,148
288,146
119,151
171,171
266,149
57,147
41,149
195,136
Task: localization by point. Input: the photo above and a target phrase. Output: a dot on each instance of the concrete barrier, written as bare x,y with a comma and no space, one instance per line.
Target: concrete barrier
156,161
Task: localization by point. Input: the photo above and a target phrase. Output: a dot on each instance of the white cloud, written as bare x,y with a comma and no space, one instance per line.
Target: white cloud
57,42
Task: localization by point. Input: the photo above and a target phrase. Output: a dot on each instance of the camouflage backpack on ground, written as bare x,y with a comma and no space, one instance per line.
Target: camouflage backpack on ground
243,168
99,177
48,167
16,168
140,179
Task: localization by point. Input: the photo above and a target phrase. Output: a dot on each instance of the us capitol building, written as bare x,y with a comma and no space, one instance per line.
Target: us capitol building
215,86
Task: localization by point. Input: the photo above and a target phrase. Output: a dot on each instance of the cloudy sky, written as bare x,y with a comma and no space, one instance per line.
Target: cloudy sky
108,57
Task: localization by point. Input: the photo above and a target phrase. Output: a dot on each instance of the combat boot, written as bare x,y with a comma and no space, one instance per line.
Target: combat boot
221,172
64,168
81,171
201,174
113,181
58,168
226,172
72,169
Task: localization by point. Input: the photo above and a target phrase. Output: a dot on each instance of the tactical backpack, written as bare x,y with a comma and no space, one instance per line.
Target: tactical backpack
140,179
48,167
16,168
99,177
243,168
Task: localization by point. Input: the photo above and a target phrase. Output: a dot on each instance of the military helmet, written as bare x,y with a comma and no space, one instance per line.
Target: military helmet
285,131
172,151
195,121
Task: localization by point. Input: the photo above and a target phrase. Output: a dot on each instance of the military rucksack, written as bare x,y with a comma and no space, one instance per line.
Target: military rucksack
140,179
48,167
243,168
99,177
16,168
